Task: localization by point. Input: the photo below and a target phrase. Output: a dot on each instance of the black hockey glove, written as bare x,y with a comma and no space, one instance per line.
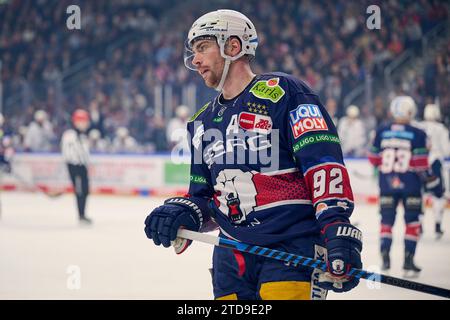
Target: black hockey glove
163,223
343,243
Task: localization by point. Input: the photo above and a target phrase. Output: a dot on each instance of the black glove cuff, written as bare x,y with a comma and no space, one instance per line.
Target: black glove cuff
188,204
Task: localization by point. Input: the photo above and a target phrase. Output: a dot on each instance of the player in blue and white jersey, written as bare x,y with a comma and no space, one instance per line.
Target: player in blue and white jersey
266,169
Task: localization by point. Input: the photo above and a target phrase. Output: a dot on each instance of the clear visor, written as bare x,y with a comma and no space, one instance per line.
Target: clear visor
188,56
189,53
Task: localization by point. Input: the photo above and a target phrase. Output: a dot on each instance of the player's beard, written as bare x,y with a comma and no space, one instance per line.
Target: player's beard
214,75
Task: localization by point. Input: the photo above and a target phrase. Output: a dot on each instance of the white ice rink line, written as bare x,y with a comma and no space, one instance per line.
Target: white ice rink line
42,249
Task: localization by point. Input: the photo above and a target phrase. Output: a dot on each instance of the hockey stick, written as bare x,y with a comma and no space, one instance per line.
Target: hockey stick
310,262
33,187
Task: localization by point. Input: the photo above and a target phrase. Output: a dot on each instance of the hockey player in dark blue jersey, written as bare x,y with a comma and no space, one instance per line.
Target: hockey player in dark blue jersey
266,169
400,153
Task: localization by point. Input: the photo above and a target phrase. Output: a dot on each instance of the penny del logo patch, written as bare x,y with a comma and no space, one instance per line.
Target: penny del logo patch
306,118
255,122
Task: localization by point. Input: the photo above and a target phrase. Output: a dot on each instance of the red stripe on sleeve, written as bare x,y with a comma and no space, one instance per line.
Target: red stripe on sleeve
419,162
374,159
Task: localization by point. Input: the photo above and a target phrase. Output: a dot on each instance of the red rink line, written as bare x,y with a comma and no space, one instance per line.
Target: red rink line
171,191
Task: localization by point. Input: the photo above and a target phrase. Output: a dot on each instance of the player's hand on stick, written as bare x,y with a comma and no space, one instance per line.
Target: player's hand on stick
343,243
162,224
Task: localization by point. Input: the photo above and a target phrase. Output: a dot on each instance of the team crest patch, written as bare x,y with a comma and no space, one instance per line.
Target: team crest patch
338,266
255,122
306,118
268,89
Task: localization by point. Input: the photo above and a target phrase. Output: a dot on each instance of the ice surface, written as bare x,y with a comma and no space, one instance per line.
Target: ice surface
40,240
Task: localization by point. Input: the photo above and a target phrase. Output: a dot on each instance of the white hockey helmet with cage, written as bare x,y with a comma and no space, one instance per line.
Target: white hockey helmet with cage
403,108
221,25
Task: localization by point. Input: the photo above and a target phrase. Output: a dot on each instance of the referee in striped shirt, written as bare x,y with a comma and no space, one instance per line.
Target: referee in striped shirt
75,151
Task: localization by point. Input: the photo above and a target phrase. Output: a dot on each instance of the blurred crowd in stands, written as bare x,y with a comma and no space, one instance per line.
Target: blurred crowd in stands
126,48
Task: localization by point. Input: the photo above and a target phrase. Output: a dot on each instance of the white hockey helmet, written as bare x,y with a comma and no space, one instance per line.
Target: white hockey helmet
182,111
403,108
221,25
122,132
432,112
352,111
94,135
40,115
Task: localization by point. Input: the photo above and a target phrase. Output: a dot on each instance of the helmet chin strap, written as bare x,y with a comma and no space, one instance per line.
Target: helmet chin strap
228,60
226,67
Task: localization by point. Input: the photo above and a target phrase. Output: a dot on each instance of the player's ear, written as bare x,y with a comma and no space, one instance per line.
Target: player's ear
233,46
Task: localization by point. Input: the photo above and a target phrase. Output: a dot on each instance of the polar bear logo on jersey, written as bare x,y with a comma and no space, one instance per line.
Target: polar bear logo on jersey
235,194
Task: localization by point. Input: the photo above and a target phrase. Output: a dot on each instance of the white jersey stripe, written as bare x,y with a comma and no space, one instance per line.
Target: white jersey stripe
283,203
277,172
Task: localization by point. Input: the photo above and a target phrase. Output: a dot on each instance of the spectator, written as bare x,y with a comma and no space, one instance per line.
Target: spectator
97,143
157,135
123,142
331,106
97,118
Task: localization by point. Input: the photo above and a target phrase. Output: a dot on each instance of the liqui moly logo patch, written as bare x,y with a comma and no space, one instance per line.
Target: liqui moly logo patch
306,118
255,122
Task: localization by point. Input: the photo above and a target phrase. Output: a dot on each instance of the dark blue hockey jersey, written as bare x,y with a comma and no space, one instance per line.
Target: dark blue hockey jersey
268,164
400,153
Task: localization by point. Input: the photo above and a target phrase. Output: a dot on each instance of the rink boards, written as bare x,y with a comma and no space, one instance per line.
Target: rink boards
155,175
